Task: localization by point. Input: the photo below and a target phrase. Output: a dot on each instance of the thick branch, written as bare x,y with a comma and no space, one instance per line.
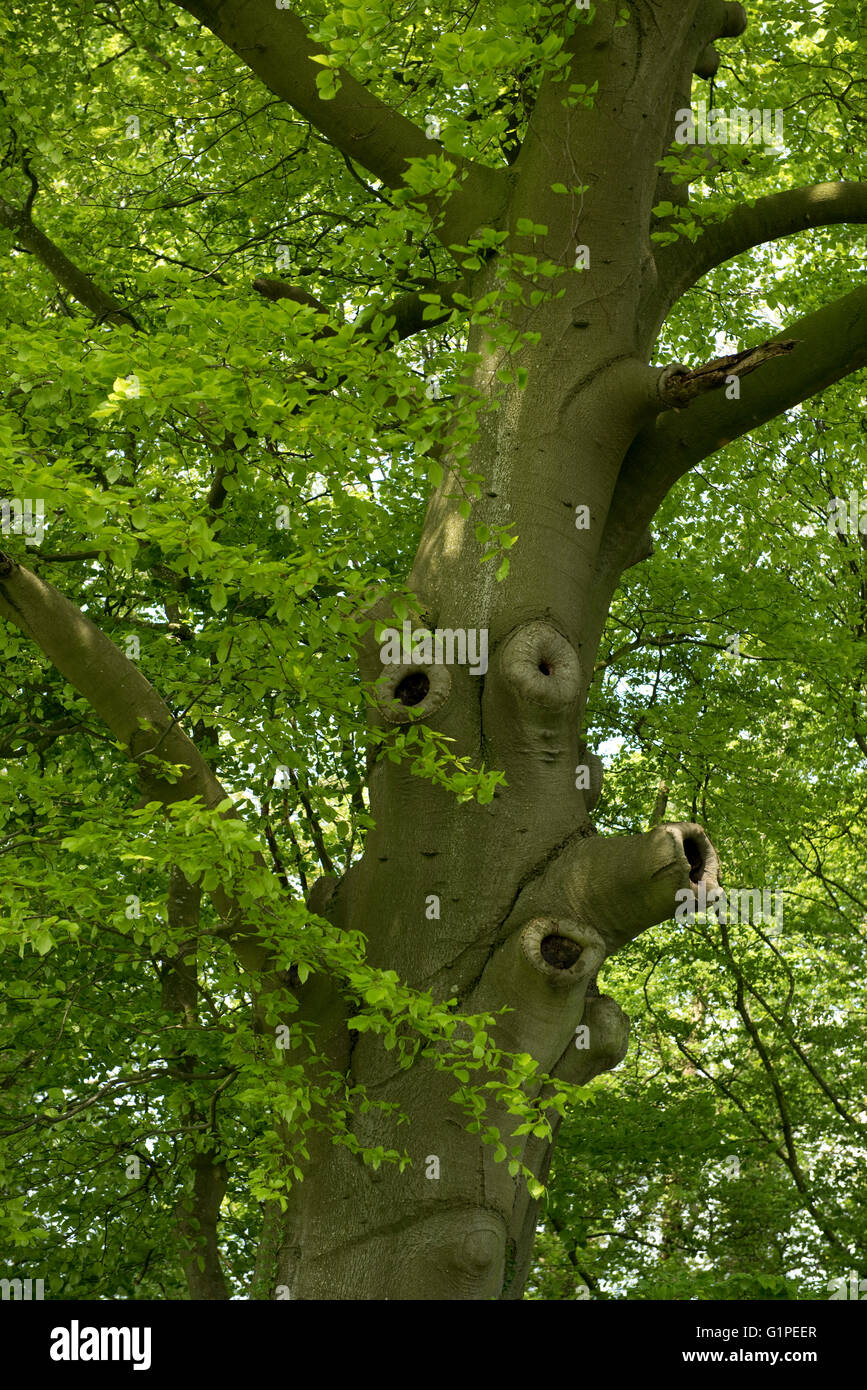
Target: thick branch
109,681
278,289
626,883
125,701
197,1216
693,53
274,44
404,316
768,219
596,896
276,47
86,291
831,344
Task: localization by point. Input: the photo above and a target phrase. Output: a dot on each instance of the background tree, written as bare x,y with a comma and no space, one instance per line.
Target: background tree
275,281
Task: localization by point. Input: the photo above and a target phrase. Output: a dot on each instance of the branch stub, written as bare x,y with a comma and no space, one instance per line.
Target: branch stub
409,692
541,665
567,953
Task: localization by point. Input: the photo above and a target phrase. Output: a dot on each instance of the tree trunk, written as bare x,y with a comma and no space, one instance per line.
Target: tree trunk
530,899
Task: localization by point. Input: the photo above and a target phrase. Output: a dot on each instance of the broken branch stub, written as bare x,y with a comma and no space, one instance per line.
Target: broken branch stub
541,972
541,666
627,883
607,1041
677,385
410,692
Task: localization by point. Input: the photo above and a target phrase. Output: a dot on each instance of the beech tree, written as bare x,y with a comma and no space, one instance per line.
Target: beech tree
343,385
